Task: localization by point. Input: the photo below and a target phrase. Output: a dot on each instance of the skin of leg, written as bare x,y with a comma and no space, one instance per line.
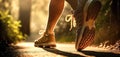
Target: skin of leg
48,39
55,10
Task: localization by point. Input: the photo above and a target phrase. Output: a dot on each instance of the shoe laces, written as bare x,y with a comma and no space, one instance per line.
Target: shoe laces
70,18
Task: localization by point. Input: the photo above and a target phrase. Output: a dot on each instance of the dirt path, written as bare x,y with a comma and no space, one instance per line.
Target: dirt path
27,49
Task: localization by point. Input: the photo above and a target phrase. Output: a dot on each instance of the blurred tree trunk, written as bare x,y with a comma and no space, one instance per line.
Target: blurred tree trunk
5,5
24,15
115,7
115,18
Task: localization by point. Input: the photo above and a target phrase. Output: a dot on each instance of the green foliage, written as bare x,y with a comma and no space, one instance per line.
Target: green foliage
9,29
103,23
107,26
103,18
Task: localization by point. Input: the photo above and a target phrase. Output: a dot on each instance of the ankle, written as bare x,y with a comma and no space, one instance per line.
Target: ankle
49,32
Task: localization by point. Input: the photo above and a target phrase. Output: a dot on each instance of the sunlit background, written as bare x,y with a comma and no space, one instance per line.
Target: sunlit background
23,21
39,15
35,13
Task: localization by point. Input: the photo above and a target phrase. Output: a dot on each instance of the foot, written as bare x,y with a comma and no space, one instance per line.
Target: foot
46,41
85,21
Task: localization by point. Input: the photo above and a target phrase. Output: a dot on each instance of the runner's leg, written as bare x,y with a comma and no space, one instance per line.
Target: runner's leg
48,39
55,10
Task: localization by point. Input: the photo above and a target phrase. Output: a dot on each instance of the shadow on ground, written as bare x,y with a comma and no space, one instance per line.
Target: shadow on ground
9,51
100,54
88,53
59,52
13,52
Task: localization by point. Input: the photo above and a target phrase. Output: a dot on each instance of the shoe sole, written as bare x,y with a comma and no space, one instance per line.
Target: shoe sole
87,35
45,45
87,38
